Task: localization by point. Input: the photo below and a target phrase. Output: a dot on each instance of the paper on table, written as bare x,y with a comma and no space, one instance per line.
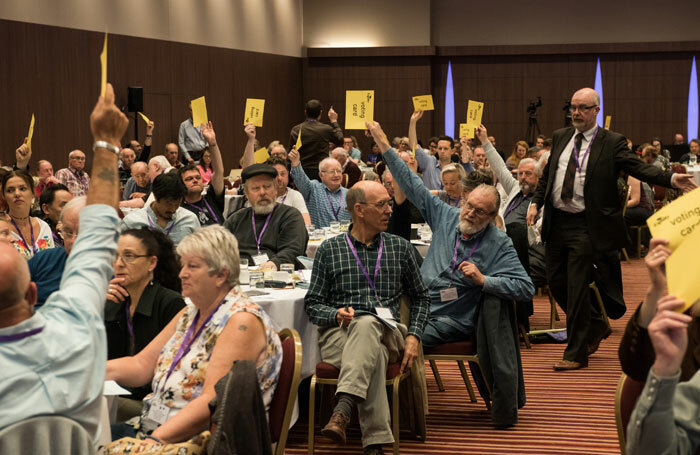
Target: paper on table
423,103
676,221
359,108
30,133
112,388
685,286
297,146
466,131
254,109
199,112
143,116
103,64
261,155
235,174
475,109
608,119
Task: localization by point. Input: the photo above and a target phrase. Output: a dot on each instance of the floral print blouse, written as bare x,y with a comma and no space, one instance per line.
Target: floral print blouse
43,240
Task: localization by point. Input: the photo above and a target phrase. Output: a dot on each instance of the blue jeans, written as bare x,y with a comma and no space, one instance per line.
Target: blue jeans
443,329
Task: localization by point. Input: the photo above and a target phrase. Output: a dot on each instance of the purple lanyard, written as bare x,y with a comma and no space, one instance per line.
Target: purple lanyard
449,199
335,212
255,231
83,182
199,209
129,325
466,258
513,204
167,231
20,336
285,197
187,342
56,239
372,283
31,231
579,165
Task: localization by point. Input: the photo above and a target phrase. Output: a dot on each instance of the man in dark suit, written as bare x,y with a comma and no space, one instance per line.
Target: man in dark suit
315,137
583,217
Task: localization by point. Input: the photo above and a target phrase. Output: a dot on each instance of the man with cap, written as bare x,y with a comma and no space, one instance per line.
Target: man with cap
268,233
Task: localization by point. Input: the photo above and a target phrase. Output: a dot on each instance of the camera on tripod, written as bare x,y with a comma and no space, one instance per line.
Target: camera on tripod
532,108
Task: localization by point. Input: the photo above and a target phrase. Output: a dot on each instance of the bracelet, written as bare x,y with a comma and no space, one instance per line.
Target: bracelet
105,145
154,438
149,135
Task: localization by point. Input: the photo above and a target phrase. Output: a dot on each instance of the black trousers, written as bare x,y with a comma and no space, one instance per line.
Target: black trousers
569,257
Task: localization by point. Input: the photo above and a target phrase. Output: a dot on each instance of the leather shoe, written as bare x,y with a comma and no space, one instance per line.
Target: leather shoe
565,365
593,347
373,450
335,428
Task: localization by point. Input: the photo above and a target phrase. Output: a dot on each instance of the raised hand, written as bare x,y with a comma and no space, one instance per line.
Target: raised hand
107,122
150,127
482,134
23,154
209,134
668,332
249,131
294,157
378,135
416,116
655,260
332,115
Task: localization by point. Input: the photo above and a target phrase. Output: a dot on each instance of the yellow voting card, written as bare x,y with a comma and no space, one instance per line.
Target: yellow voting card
475,109
30,133
678,220
608,119
103,64
254,109
298,144
423,103
261,155
466,130
682,283
145,119
359,108
199,111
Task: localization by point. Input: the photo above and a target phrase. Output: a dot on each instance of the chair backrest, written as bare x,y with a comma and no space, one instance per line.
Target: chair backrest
47,435
626,395
285,395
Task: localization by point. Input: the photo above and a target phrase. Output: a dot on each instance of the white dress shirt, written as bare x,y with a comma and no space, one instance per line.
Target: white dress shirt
576,204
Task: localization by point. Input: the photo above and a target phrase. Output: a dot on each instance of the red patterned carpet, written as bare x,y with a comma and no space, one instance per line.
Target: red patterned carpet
566,412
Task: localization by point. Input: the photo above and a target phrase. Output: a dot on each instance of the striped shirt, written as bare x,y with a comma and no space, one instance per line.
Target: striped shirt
77,182
319,199
337,281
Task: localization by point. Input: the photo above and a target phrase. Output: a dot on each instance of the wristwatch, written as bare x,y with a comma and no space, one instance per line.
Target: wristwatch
105,145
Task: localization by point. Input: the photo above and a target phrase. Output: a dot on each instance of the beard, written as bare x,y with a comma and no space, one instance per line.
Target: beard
526,188
263,207
469,228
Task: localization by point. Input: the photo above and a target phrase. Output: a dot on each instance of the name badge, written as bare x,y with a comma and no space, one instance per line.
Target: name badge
448,294
260,258
159,413
384,313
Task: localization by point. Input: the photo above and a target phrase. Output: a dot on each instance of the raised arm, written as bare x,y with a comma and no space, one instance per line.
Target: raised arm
22,155
498,166
337,136
249,151
147,143
301,180
217,164
424,159
412,134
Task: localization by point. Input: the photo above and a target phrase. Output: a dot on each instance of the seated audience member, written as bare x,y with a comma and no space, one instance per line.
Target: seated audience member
74,177
165,213
350,146
357,279
519,153
640,204
29,234
156,166
277,150
662,155
325,199
480,161
374,155
171,154
451,176
431,165
370,176
127,157
58,367
51,202
139,184
143,152
46,177
218,326
694,146
46,267
286,195
649,154
468,256
142,298
268,233
209,208
205,167
403,212
316,137
351,172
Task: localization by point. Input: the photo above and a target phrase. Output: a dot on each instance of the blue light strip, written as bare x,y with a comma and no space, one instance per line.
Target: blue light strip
693,104
600,118
449,103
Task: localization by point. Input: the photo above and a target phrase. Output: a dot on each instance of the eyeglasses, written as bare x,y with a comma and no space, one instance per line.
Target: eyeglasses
129,258
67,234
581,108
333,171
477,211
381,205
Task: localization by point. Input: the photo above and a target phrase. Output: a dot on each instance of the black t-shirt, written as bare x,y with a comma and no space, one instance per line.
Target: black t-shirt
204,207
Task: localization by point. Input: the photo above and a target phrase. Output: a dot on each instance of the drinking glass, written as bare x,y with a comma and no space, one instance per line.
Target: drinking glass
335,227
244,276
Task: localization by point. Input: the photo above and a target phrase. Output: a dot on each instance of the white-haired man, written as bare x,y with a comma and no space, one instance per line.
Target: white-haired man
73,176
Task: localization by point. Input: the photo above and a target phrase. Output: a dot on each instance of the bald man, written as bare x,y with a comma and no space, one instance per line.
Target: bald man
53,360
74,176
139,184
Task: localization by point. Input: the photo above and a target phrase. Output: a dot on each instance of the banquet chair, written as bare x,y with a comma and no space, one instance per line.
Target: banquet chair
282,405
46,435
626,396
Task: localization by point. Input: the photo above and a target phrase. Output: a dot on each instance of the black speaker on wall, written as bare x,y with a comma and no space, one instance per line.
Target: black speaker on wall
135,99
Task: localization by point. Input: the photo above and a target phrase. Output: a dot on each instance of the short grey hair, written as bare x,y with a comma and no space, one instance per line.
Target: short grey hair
218,247
324,161
340,150
536,164
354,196
70,155
494,193
125,149
161,161
274,144
76,203
371,176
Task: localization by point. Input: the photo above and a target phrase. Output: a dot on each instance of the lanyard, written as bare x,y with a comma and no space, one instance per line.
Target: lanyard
285,197
167,231
31,232
585,155
83,182
372,283
513,204
129,325
466,258
199,209
20,336
189,340
340,203
255,231
457,201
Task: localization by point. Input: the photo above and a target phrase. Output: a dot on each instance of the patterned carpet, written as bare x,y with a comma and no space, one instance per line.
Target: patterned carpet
566,412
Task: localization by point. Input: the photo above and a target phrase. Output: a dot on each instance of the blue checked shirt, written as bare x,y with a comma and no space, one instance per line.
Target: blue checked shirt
337,281
316,195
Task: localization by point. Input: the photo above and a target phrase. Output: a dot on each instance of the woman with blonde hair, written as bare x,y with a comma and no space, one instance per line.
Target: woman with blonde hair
519,153
451,176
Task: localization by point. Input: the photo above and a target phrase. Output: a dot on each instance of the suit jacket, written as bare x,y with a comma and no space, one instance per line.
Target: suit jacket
315,137
351,174
608,156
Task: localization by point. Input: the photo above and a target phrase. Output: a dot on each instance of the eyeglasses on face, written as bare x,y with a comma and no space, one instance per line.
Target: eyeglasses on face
477,211
581,108
129,258
381,205
67,234
332,171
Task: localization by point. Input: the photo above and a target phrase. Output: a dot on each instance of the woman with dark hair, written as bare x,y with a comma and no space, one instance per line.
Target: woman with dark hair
29,234
142,299
204,167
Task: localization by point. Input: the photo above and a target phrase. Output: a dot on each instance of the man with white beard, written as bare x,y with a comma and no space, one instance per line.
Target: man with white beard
268,233
468,257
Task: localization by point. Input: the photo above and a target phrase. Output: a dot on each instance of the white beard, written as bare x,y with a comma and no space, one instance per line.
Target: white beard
469,228
263,209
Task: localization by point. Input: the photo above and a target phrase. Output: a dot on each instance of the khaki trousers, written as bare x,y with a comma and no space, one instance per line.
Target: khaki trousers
362,351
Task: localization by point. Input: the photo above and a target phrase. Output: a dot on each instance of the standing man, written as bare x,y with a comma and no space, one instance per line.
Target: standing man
74,177
583,222
190,140
315,137
431,165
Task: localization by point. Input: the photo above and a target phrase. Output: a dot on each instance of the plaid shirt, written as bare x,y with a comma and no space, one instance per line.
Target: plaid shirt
316,195
76,181
338,281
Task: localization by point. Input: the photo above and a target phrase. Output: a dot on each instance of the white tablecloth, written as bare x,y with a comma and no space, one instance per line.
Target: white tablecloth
695,170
